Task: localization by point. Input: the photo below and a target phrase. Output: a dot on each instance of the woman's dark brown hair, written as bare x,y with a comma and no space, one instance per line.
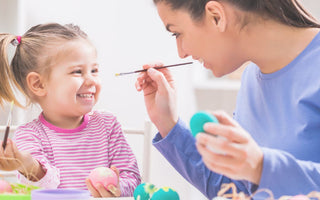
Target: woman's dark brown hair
289,12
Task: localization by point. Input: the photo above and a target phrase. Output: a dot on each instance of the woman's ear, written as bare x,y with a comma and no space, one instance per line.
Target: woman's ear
35,84
216,13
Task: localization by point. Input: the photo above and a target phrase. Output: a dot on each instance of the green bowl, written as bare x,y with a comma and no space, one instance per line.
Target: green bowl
15,196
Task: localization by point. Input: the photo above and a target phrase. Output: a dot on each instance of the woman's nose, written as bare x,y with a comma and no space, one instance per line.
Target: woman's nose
181,51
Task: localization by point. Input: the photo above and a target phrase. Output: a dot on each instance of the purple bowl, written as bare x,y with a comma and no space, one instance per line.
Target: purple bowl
60,194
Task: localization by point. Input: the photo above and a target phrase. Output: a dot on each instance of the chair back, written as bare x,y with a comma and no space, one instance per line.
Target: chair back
134,140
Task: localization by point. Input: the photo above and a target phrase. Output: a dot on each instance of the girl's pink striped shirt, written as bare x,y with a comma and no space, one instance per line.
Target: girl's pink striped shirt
68,155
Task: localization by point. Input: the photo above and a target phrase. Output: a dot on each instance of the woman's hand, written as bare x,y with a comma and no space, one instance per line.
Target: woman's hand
160,97
240,157
100,191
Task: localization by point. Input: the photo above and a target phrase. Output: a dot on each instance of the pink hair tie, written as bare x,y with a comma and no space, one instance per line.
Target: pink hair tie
16,41
19,39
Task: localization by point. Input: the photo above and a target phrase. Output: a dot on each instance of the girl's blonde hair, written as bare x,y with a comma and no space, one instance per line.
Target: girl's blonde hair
31,56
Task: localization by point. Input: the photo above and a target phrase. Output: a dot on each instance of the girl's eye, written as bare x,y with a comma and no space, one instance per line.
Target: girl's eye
96,70
76,72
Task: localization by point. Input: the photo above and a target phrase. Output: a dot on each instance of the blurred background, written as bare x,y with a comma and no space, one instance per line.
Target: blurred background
128,34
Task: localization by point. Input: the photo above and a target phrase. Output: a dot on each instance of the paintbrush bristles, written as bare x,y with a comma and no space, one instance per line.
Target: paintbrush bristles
144,70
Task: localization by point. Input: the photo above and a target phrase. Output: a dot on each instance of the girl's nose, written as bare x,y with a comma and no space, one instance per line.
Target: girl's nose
90,80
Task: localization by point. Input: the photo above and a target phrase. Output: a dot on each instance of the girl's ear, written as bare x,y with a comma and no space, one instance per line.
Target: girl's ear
215,12
35,84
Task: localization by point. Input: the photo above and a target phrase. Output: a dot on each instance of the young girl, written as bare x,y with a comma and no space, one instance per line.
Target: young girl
273,141
56,67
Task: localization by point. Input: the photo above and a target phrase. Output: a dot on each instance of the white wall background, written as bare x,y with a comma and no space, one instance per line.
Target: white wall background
127,34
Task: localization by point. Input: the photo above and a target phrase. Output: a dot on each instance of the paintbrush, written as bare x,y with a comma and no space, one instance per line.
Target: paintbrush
144,70
5,139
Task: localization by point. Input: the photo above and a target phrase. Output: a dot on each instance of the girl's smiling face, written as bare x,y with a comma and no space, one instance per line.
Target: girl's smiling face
212,42
73,85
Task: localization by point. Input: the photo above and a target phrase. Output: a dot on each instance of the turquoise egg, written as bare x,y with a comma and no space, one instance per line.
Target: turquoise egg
166,193
144,191
199,119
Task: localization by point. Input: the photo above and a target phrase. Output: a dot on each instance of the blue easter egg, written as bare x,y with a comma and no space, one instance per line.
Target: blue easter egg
199,119
166,193
144,191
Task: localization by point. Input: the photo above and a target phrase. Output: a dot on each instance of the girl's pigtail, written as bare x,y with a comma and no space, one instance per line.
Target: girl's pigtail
7,79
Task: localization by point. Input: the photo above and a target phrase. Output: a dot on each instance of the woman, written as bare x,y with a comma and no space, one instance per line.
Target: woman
272,142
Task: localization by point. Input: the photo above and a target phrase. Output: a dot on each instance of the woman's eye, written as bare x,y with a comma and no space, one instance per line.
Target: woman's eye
175,35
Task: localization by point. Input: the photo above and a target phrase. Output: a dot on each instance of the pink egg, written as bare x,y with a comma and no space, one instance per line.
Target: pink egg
103,175
5,186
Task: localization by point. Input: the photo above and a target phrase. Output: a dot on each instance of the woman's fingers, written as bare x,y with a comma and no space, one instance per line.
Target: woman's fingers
219,162
159,79
224,118
152,65
221,145
234,134
238,157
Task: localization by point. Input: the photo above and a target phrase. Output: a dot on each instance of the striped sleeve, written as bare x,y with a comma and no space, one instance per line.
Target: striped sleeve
123,158
27,140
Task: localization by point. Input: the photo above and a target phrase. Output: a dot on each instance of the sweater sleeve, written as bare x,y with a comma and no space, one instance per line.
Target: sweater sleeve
123,158
27,140
284,174
180,150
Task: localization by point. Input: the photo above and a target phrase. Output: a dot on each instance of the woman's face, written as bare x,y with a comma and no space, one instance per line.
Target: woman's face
204,40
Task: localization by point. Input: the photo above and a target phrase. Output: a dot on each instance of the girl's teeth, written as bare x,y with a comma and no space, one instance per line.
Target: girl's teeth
85,95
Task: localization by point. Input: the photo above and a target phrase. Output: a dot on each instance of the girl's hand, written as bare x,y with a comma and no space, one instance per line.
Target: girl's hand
100,191
160,97
242,158
11,158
